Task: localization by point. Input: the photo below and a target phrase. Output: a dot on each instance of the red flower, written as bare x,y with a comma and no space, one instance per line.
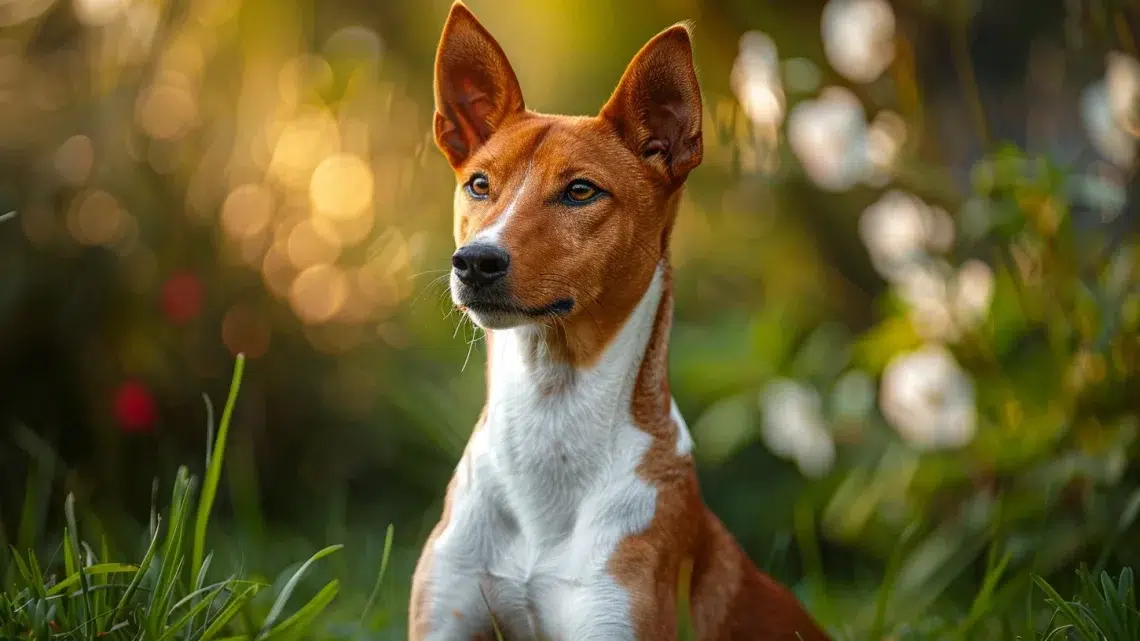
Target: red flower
134,407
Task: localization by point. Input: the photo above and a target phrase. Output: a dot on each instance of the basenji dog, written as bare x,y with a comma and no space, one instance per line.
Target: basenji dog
575,508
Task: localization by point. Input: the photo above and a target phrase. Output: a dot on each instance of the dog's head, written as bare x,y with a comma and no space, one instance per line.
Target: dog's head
561,217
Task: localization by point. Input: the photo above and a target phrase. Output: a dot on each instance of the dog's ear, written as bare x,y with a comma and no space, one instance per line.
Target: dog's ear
656,107
476,90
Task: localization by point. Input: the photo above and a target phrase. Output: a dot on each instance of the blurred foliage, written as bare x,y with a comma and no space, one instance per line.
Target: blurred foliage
907,286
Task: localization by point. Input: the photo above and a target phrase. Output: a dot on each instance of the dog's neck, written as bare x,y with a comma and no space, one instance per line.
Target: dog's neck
527,366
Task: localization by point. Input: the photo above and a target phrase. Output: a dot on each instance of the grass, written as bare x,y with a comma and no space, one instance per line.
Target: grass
167,593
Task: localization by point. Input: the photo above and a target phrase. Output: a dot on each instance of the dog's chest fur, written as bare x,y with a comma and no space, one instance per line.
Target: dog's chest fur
548,486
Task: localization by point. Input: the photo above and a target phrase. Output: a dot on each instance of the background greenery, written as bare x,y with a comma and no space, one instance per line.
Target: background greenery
907,288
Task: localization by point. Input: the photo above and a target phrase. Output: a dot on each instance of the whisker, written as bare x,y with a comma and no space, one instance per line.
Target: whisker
471,344
429,271
435,281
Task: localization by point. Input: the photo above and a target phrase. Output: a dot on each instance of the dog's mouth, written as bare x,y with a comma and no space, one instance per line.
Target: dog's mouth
559,307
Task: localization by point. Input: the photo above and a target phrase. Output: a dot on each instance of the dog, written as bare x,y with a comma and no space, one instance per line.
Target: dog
574,513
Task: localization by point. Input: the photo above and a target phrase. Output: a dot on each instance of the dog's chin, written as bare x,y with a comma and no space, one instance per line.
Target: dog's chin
496,318
496,315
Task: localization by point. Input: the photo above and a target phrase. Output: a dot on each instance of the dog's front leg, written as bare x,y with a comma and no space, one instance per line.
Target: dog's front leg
447,601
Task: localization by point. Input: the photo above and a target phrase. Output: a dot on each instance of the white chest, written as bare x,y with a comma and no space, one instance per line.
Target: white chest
545,492
535,519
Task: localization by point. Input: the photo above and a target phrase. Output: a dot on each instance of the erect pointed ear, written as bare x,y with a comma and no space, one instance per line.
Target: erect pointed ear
475,88
656,107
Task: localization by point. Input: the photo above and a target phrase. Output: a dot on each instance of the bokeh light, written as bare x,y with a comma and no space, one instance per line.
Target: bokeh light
318,293
99,12
301,144
95,218
858,37
247,210
182,297
166,110
74,159
312,241
341,187
134,407
828,135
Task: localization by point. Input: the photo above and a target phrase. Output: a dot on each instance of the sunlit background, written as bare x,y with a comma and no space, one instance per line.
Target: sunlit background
907,283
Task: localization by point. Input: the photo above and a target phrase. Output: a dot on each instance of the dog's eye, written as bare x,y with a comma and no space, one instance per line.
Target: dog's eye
478,187
580,192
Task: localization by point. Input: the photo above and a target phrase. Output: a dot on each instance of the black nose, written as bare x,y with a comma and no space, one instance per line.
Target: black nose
480,265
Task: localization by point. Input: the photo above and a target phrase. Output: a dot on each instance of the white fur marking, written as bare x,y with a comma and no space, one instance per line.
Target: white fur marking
491,234
684,438
551,489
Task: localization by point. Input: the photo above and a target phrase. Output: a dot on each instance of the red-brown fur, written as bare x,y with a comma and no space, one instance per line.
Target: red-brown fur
640,149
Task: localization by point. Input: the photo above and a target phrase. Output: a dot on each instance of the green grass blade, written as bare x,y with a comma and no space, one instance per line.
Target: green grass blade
229,612
1106,602
982,602
163,594
301,619
100,580
290,585
1079,622
101,569
194,611
375,594
894,564
209,429
172,557
1061,630
25,573
199,581
133,586
37,575
193,596
69,565
154,508
803,517
72,545
214,471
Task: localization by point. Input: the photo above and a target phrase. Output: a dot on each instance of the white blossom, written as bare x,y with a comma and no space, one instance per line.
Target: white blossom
829,136
755,79
895,231
900,229
928,398
793,426
885,138
944,302
1122,82
858,37
837,148
925,287
973,291
1110,109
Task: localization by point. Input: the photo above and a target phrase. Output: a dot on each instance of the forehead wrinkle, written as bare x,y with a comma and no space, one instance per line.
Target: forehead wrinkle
580,154
513,148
